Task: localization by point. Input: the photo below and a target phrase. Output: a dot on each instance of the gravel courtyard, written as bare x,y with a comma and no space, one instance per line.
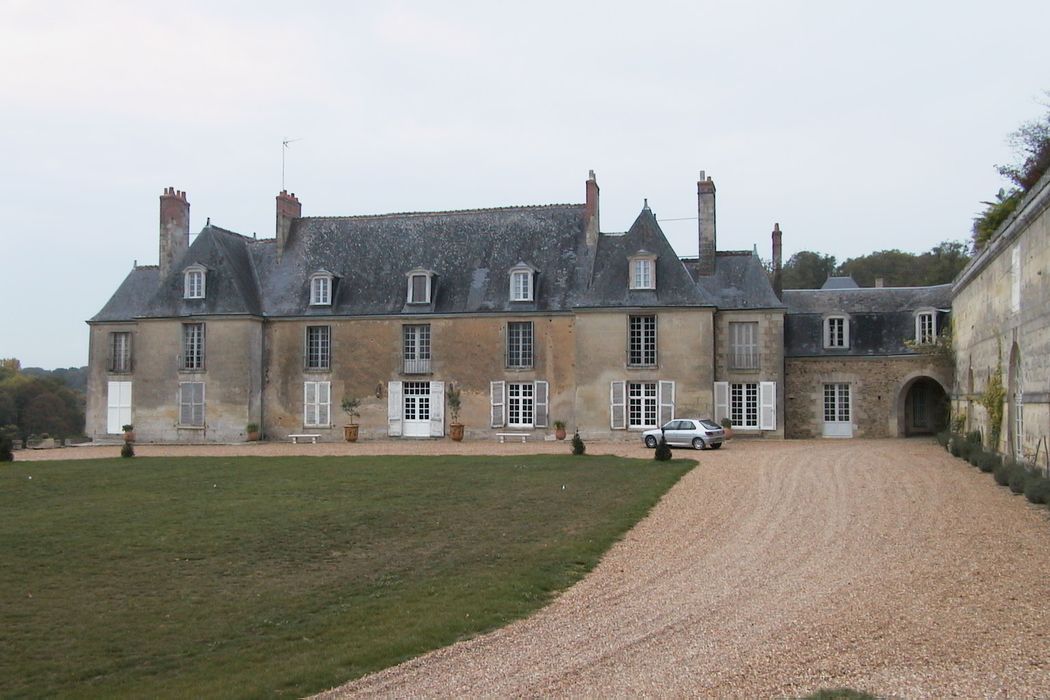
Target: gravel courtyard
772,569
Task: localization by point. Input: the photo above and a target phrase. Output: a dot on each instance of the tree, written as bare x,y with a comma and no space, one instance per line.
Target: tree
807,270
898,268
1031,145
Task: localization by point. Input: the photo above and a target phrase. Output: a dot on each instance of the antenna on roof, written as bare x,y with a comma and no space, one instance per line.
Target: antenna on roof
284,147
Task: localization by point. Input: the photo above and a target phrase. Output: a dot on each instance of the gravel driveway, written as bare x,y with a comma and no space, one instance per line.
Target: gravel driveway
773,569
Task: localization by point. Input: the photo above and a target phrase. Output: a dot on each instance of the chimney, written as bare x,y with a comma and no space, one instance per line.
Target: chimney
880,282
174,228
288,210
778,262
705,195
591,210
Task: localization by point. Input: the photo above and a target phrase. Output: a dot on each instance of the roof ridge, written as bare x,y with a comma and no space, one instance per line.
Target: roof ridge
477,210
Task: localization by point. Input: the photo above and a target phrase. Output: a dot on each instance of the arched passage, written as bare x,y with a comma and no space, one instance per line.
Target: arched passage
923,406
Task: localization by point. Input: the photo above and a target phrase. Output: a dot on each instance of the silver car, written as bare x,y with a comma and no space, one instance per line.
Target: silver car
697,433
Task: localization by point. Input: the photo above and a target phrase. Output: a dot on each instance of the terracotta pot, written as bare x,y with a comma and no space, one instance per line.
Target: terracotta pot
253,437
729,433
455,431
129,436
559,433
350,432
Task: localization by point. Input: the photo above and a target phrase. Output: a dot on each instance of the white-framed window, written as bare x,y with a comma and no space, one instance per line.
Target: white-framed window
415,349
192,346
641,341
925,328
317,404
743,406
836,403
191,404
519,344
641,404
321,289
519,404
521,282
637,405
419,286
743,345
120,351
749,406
193,282
836,332
118,406
318,347
642,271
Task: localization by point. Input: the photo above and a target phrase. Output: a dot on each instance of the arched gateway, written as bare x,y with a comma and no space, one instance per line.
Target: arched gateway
922,407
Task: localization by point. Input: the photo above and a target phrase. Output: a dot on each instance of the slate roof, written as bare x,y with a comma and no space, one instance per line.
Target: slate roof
740,281
132,297
880,318
846,282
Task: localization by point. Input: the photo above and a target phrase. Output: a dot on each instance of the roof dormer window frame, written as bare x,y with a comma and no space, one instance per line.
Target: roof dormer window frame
641,271
522,280
412,292
194,281
835,328
926,326
322,284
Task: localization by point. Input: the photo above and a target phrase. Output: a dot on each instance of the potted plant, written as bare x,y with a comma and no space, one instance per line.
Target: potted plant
727,425
350,406
455,428
252,429
559,429
129,432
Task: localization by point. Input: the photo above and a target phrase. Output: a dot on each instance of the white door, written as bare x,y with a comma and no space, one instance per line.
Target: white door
416,409
837,420
118,400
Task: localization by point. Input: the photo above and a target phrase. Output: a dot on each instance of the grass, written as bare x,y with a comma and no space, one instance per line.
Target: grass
242,577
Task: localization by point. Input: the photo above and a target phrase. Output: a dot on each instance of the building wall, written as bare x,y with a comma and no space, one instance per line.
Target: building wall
771,361
878,386
685,342
1000,311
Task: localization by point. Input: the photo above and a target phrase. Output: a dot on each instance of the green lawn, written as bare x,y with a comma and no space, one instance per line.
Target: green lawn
285,576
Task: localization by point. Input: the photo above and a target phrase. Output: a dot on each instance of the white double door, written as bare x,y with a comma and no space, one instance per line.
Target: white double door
416,409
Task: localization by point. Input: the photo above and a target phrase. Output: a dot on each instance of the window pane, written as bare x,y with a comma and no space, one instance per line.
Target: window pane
641,347
419,289
193,346
318,347
519,344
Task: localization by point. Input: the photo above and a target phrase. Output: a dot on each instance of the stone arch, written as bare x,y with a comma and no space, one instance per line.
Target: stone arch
1015,405
922,404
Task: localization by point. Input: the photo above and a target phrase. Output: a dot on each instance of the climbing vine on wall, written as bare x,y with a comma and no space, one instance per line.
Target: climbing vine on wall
992,399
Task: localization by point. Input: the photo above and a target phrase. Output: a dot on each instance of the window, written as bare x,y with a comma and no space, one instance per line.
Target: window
118,405
191,404
317,404
836,403
419,286
321,290
519,344
521,283
416,349
743,405
641,343
925,328
193,346
318,347
519,404
743,345
836,332
643,272
193,282
120,352
641,404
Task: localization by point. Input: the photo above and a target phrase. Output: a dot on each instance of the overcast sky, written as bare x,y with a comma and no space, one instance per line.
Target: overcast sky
858,126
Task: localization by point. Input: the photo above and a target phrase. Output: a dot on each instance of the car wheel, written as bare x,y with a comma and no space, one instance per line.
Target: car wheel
716,446
650,441
698,443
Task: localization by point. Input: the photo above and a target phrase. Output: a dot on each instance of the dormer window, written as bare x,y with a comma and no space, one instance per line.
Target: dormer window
419,286
926,328
193,282
321,289
642,271
521,282
836,332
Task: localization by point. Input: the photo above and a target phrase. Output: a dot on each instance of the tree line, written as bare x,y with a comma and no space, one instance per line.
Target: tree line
36,402
939,265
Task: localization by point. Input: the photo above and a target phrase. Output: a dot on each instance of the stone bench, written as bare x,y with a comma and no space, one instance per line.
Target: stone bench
503,436
312,437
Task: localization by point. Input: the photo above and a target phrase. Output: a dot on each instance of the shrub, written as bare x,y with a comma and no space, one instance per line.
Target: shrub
1037,488
127,450
955,446
966,448
943,437
976,455
578,448
6,455
989,462
1018,477
1002,473
974,437
663,451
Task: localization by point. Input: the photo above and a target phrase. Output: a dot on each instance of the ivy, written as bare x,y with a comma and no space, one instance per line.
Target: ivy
993,398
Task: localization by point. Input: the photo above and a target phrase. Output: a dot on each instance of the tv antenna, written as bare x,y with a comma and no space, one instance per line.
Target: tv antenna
284,147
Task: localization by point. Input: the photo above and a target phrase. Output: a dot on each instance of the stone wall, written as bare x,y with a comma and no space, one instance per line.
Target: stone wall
771,360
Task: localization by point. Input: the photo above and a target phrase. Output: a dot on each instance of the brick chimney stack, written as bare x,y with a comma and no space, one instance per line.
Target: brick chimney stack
778,262
705,195
174,228
591,210
289,208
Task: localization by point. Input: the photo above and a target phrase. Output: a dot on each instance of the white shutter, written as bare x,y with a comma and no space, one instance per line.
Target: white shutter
393,409
118,405
309,403
666,401
721,401
437,409
497,394
540,405
767,406
618,405
324,403
186,404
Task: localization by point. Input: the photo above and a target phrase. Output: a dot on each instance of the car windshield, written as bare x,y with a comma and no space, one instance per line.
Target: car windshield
711,424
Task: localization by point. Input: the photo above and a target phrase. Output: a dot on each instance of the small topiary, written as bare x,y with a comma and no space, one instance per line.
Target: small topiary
1037,488
663,450
578,448
989,462
6,455
127,450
